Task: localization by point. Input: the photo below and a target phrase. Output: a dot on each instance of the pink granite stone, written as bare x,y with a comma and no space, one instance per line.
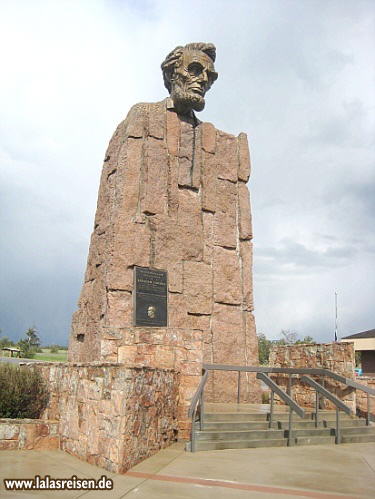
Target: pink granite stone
173,197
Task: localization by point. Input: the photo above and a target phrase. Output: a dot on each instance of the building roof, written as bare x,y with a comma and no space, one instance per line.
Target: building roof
364,334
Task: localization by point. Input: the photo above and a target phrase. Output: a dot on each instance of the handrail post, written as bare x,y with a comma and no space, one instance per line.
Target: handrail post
271,409
201,412
338,431
317,398
289,392
289,389
368,410
192,440
238,387
290,426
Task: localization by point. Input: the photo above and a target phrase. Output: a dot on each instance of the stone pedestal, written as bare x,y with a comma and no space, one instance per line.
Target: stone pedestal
173,196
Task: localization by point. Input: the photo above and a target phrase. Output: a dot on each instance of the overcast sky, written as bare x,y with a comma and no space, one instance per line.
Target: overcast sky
296,75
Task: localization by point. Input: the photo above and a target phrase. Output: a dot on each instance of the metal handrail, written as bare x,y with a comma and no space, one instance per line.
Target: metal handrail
327,394
306,370
338,403
196,397
197,400
292,370
354,384
283,395
293,406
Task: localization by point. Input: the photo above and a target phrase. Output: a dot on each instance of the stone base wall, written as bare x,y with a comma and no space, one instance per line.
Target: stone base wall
27,434
166,348
337,357
110,415
183,350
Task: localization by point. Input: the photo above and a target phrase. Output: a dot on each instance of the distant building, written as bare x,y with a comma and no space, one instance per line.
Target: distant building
364,342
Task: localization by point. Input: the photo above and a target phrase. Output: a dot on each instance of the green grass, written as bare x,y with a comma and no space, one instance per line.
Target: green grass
61,356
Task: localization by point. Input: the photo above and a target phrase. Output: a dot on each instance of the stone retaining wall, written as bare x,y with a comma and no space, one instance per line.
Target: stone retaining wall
362,396
337,357
29,434
110,415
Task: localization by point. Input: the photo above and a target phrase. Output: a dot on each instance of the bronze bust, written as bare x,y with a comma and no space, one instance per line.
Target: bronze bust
188,74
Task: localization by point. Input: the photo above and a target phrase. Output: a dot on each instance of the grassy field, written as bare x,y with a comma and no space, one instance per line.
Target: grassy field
60,356
45,354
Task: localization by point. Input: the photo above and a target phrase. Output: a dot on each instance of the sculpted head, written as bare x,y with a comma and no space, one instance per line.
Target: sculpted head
188,74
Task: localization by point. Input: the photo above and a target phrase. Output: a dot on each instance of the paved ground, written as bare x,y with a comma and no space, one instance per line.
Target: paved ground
325,471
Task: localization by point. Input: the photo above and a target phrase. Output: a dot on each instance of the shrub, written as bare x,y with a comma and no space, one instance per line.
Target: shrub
54,349
23,392
27,351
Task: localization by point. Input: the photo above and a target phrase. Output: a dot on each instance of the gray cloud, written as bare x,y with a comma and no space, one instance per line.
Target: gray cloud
297,255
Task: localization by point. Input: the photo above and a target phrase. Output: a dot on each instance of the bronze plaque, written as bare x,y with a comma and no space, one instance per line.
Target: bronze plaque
150,297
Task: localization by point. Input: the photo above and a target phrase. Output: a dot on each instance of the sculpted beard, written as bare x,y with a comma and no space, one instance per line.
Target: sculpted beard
186,100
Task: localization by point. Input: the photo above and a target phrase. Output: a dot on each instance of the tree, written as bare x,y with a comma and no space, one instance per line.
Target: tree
307,339
32,337
289,337
30,344
264,346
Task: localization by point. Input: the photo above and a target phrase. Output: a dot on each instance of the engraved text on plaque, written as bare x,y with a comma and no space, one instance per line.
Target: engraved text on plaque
150,297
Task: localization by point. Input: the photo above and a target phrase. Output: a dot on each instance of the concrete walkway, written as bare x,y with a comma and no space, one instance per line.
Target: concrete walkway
325,471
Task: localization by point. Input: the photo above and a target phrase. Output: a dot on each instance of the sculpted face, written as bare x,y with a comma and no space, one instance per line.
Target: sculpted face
191,79
151,311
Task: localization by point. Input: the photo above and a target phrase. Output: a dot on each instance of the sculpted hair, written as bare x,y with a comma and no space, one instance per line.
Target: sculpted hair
174,59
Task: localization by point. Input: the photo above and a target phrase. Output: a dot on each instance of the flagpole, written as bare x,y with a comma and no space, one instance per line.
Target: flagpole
335,316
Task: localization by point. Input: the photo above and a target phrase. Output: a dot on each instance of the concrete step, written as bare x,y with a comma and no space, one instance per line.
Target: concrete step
238,430
238,444
363,430
317,440
240,435
322,424
248,416
234,416
332,417
357,438
237,425
284,416
312,432
346,423
272,433
311,417
284,425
